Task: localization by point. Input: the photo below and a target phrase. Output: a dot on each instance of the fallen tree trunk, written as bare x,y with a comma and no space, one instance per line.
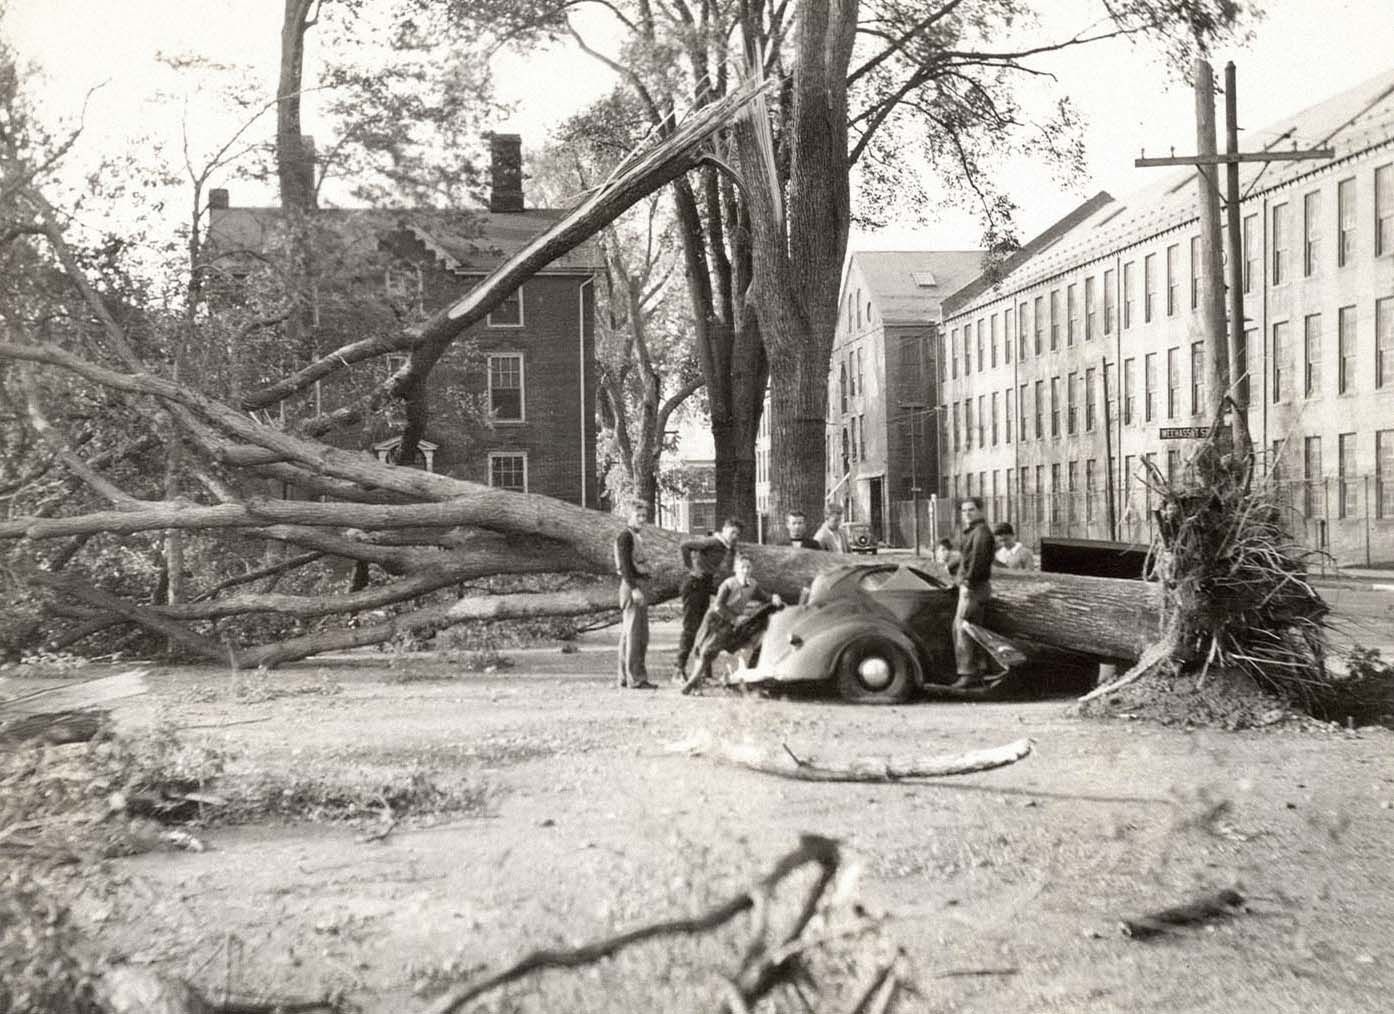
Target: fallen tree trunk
1107,618
1104,617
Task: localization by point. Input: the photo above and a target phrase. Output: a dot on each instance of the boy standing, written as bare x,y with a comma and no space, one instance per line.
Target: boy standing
974,589
830,534
634,604
1010,553
705,560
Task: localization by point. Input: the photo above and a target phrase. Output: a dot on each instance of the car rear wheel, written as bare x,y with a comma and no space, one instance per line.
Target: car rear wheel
875,670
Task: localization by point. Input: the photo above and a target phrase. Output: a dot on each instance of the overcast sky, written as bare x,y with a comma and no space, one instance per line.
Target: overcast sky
1304,51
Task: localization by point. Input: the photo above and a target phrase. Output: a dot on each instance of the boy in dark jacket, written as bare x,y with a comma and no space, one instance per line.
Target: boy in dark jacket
634,604
974,589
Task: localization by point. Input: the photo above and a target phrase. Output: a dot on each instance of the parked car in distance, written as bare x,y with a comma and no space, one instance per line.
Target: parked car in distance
860,538
878,632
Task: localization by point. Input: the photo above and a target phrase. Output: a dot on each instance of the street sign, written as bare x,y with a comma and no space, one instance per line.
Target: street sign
1184,432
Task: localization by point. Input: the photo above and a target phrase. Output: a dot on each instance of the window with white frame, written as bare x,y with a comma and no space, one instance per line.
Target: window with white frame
1345,222
1384,210
1280,244
1311,232
509,470
1384,341
509,313
506,387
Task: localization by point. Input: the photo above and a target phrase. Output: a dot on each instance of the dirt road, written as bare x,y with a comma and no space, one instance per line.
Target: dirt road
1018,876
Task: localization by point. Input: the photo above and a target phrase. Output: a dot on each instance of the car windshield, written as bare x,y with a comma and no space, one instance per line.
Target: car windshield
897,579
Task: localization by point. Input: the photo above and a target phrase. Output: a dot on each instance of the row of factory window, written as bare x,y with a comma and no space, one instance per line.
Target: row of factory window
1348,493
994,336
965,422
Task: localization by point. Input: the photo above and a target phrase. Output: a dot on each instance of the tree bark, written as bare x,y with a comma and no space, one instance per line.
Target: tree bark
798,239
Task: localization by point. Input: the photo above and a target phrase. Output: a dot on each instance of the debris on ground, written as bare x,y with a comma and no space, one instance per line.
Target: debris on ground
1220,904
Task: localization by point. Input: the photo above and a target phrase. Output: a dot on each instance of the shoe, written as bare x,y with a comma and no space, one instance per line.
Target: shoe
645,685
972,681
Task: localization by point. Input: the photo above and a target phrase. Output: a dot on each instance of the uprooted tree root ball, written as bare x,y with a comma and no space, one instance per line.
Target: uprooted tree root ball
1240,615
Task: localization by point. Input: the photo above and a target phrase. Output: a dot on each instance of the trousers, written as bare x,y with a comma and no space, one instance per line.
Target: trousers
634,635
696,593
972,604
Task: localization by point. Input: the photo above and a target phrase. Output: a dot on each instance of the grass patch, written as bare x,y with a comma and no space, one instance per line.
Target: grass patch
115,796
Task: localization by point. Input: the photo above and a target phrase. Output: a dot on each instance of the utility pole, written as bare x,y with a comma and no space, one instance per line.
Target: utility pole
1223,341
1212,277
1242,440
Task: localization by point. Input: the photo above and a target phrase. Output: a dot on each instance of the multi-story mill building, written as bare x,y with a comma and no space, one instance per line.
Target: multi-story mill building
1060,373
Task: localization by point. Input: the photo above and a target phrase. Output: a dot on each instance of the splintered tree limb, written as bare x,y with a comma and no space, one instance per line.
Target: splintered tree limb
813,849
636,178
785,764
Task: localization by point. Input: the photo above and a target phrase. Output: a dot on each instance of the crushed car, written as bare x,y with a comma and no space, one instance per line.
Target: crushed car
877,633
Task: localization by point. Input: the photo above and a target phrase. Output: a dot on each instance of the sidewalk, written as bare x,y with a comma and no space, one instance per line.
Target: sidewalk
1372,578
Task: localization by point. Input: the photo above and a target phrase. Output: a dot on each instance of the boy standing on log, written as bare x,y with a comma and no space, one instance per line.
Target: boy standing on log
705,560
974,589
634,604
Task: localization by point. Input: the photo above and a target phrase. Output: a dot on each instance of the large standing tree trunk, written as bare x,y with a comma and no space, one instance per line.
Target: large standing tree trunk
798,246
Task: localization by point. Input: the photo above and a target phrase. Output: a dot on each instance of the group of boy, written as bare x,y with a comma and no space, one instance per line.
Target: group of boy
712,608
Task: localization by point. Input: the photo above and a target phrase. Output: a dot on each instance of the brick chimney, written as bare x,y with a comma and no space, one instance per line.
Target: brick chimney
505,173
218,199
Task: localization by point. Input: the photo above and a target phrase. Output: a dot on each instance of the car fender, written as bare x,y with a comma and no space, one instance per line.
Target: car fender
1003,651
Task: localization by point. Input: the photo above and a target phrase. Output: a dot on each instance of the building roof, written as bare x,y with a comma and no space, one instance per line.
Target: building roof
1036,245
907,286
463,242
1350,122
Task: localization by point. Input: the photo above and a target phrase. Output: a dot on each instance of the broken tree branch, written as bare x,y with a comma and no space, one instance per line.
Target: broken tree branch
785,764
644,172
812,849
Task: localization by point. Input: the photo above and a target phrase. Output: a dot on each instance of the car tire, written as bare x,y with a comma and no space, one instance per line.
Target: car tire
874,669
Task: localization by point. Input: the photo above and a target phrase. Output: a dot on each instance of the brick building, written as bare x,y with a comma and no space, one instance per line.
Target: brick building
513,403
1102,315
881,379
